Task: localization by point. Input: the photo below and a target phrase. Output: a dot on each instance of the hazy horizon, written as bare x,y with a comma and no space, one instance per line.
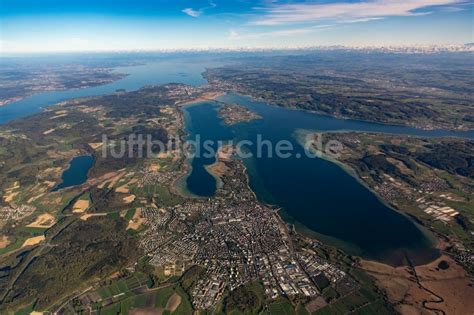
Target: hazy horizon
75,26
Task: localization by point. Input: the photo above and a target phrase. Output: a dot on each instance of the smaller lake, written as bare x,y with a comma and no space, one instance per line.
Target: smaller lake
76,174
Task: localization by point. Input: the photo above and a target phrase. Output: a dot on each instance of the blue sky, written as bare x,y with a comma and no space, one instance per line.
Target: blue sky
77,25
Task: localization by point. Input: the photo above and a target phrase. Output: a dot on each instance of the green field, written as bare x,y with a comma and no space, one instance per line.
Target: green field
157,299
123,285
162,297
281,307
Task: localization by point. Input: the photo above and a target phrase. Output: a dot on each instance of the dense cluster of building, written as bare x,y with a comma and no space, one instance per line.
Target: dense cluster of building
236,240
315,266
463,256
152,178
391,191
14,212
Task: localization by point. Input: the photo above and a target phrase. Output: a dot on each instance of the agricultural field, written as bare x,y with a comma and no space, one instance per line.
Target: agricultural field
129,297
86,231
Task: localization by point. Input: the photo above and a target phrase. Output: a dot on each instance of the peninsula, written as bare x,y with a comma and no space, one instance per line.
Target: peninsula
234,113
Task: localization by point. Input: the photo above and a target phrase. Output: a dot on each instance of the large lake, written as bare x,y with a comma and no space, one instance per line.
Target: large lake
316,194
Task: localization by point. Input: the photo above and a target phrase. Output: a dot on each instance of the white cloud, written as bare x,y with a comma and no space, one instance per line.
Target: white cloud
346,11
192,12
199,12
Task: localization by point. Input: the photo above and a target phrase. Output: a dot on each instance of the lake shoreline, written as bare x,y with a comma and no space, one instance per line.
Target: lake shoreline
430,235
179,185
211,96
321,113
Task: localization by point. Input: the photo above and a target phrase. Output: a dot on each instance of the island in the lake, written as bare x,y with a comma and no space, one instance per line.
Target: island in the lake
233,114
